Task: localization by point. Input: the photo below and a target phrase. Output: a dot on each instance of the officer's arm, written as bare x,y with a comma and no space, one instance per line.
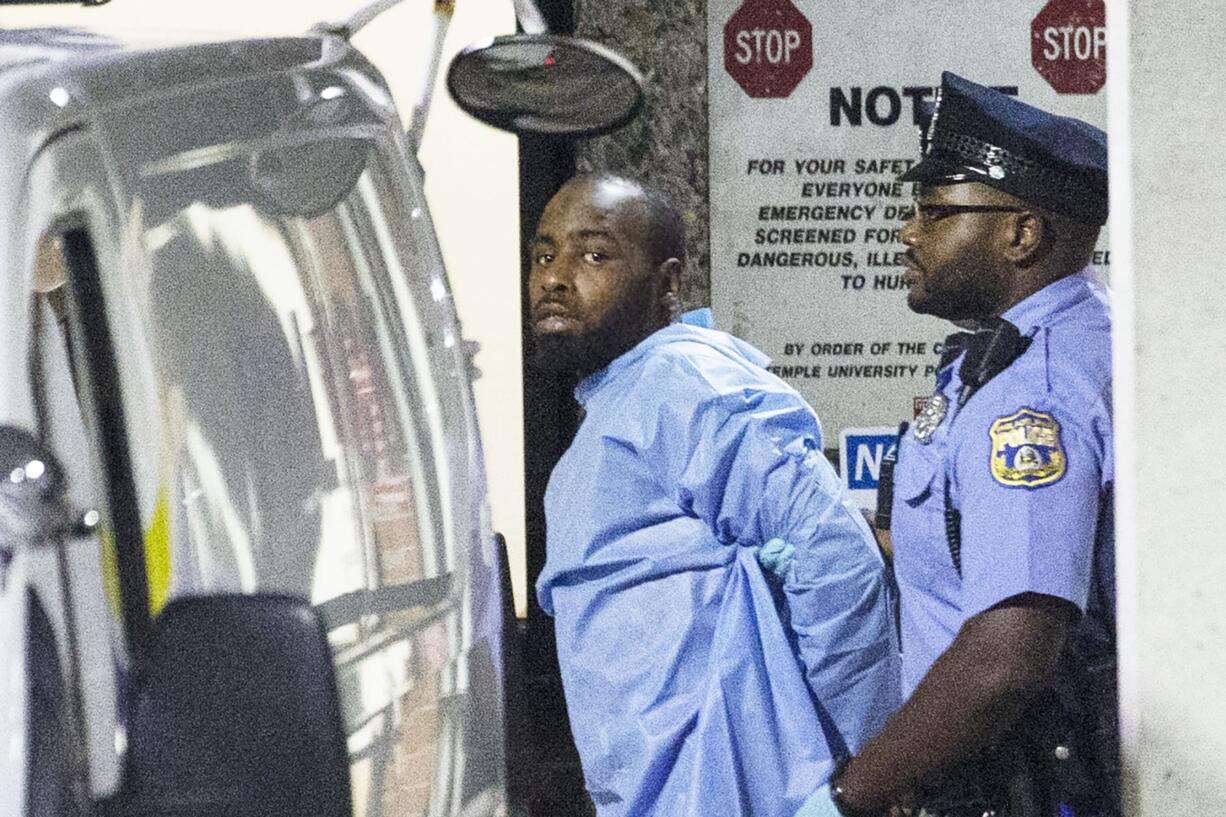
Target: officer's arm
973,693
882,535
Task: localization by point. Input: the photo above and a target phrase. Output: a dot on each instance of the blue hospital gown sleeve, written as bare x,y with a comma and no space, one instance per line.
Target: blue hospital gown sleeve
749,463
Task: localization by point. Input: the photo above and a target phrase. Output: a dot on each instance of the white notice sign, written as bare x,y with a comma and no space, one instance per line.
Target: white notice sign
814,109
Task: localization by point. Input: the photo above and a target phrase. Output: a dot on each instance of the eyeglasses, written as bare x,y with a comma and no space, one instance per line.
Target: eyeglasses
931,213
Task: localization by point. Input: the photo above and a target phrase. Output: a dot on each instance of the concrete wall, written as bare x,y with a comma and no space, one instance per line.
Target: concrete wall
1171,390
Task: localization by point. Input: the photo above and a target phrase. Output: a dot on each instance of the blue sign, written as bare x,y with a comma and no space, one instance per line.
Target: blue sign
862,457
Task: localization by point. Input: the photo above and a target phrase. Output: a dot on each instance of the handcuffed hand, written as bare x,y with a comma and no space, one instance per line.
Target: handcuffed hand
776,557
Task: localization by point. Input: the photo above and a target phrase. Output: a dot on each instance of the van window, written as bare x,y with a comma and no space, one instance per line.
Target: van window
302,445
302,418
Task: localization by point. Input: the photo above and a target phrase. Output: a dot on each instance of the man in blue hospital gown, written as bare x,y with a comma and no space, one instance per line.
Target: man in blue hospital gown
689,693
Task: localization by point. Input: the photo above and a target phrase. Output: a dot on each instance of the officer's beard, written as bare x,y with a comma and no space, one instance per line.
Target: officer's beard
957,295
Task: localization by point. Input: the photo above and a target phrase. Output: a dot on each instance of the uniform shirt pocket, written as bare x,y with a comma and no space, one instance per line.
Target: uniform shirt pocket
921,545
915,475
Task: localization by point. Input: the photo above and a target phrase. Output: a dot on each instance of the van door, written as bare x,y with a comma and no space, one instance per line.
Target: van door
304,423
73,392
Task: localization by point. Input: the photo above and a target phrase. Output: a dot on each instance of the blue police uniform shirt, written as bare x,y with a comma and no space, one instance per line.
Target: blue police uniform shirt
1027,460
682,679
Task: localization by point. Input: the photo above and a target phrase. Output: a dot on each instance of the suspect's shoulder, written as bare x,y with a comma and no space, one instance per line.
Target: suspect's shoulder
714,362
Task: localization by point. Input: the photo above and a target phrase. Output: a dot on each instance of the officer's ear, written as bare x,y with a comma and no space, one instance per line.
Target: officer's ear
1030,238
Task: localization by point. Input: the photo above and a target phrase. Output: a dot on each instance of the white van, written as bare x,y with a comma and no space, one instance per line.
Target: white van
245,561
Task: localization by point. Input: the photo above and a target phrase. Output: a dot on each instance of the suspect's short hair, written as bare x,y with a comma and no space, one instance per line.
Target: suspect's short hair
666,227
665,224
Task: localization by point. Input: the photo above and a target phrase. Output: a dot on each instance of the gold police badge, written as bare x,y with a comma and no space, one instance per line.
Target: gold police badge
1026,449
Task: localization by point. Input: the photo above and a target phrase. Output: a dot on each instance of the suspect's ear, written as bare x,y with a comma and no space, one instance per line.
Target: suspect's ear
668,286
670,273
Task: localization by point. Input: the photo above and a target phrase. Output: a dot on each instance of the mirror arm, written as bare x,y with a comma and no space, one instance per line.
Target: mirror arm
443,10
531,21
349,26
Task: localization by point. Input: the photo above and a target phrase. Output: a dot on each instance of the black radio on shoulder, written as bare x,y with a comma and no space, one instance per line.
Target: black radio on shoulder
989,351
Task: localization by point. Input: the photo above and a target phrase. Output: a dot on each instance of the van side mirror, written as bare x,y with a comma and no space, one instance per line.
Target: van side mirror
546,84
310,178
236,712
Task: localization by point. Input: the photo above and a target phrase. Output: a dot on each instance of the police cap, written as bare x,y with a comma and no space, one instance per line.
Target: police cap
978,134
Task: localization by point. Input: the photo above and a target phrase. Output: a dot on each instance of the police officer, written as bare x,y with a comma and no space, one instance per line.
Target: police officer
1002,492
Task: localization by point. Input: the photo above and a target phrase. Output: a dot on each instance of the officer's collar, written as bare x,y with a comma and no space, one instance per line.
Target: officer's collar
1038,309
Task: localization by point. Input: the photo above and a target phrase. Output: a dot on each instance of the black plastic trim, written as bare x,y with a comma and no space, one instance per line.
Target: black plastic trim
103,387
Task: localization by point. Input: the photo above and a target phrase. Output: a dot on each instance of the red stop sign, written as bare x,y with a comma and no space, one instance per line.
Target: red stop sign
768,47
1068,45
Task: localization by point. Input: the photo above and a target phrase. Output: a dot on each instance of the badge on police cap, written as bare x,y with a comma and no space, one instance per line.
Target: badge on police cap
1026,449
978,133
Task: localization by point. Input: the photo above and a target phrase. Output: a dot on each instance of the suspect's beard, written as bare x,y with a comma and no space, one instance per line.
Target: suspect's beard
620,329
569,354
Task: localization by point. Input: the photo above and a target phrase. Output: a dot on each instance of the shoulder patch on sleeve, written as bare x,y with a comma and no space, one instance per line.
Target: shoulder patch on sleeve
1026,449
